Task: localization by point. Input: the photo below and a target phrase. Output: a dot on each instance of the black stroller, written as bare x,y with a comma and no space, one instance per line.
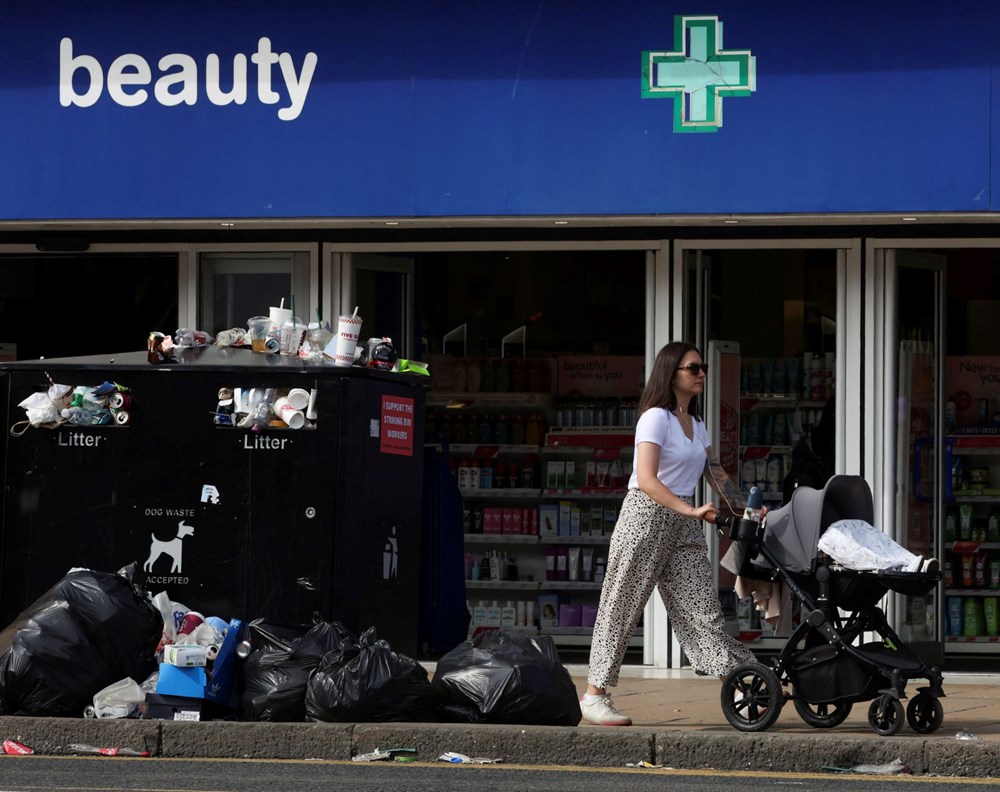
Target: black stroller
823,660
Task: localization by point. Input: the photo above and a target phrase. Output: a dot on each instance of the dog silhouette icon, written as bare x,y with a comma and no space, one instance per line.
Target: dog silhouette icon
173,548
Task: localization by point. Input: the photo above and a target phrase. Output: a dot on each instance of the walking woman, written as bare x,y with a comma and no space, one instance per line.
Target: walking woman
659,540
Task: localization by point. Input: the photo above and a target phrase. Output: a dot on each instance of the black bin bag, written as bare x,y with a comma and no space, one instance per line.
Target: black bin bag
369,683
275,674
90,630
502,677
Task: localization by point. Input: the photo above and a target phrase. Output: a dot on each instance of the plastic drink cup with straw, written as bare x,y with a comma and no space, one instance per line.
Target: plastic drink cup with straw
346,340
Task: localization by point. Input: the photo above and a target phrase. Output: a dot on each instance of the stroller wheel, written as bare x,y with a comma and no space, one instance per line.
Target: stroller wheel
823,716
924,713
751,697
886,715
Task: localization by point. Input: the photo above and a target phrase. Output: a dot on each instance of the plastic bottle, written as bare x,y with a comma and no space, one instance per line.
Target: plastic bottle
463,474
486,475
474,475
755,502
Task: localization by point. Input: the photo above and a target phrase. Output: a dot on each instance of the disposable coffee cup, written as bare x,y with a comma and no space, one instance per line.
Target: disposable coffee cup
259,327
293,418
293,333
298,398
346,340
278,317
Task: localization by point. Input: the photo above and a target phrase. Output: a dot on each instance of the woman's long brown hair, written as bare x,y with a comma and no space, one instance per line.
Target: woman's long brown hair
658,391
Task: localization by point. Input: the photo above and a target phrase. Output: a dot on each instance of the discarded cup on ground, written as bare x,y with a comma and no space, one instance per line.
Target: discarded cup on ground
259,327
346,340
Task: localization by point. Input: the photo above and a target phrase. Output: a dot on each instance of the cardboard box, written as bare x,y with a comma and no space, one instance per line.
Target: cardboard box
570,615
610,518
186,682
555,477
185,655
492,520
597,521
588,615
548,610
222,688
570,475
565,509
574,520
548,519
179,708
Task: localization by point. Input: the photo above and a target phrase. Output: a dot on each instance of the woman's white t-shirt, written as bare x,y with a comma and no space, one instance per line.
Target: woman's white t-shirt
682,461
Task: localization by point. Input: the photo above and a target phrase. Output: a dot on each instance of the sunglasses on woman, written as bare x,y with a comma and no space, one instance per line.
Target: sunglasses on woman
694,368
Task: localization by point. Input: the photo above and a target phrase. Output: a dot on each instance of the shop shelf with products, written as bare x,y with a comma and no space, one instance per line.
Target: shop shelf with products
971,538
770,427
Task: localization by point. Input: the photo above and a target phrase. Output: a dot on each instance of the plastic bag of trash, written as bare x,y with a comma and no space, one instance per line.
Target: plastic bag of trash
276,672
87,632
502,677
367,682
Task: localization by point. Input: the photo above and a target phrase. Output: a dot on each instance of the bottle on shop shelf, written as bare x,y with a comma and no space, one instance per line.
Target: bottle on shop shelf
528,471
463,474
484,433
501,429
533,384
474,475
616,475
486,475
472,427
459,427
533,430
517,429
484,568
500,476
513,475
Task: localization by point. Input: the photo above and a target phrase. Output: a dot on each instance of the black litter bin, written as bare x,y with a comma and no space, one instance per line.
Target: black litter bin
289,525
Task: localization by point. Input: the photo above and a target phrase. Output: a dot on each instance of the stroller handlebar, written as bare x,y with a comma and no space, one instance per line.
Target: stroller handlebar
735,526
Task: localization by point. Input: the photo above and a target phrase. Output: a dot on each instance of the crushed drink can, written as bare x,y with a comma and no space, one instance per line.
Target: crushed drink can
15,748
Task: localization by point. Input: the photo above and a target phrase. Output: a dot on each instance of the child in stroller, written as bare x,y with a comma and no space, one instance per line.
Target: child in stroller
827,672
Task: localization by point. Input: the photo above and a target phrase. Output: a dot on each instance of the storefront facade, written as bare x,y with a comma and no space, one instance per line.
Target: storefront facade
448,167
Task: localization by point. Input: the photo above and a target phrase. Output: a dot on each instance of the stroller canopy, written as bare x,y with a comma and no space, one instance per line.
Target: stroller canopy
792,532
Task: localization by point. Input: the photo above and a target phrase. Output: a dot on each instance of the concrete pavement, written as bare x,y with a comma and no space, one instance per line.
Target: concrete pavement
677,722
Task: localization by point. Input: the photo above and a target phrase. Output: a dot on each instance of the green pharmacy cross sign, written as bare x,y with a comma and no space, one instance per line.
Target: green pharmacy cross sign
699,74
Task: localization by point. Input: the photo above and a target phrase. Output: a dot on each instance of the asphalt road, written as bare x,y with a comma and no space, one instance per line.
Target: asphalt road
100,774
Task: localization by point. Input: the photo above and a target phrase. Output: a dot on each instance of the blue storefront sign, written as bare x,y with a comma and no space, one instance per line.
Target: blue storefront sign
392,109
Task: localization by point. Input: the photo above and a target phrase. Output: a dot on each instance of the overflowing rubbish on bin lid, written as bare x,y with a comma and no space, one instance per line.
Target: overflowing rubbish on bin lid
99,645
282,332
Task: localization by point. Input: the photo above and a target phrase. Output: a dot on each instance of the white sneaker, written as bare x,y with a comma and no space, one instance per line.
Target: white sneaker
603,713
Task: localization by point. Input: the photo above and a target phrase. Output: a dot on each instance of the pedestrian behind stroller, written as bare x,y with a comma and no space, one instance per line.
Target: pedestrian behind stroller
658,541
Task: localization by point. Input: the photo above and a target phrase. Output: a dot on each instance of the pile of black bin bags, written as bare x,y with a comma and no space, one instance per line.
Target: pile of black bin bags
326,674
90,630
93,629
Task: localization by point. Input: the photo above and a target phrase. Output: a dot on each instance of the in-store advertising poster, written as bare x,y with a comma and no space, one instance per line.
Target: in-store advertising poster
972,382
600,376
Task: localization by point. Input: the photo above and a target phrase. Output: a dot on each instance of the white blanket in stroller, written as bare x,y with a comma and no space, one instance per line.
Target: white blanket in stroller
858,545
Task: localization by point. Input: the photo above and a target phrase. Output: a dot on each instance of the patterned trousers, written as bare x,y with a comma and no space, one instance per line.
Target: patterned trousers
655,546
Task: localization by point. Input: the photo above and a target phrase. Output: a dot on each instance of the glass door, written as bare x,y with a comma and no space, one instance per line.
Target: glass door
912,435
382,287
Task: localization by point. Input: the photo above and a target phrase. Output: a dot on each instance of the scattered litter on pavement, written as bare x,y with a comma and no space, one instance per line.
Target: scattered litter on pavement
15,748
644,764
381,754
457,758
81,748
895,767
968,736
372,756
